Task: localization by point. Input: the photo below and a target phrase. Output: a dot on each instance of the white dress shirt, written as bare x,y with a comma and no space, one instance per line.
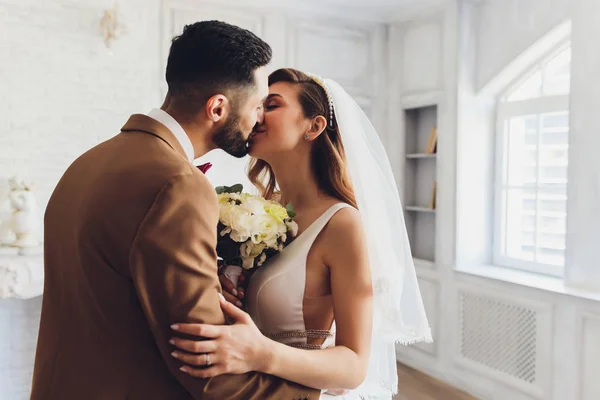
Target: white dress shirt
164,118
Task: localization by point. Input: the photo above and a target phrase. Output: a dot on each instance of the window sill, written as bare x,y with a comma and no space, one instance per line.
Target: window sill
528,279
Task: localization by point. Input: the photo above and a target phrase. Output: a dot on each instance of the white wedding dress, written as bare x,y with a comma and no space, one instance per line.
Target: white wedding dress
277,303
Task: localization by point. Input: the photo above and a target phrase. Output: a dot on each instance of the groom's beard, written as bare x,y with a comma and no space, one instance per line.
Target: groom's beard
230,138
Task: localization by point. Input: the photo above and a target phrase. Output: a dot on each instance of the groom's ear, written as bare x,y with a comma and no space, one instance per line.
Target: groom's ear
318,125
216,107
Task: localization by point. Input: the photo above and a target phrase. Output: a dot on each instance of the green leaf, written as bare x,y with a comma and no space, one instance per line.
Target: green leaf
237,188
290,210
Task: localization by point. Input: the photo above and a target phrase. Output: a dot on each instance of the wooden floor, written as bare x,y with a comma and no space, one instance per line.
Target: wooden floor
414,385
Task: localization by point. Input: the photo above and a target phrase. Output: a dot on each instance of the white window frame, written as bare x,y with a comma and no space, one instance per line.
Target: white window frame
505,111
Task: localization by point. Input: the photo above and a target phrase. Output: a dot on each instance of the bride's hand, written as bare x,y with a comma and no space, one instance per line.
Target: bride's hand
232,294
227,349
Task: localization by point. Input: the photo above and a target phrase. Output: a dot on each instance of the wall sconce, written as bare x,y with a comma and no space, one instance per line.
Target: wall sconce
111,26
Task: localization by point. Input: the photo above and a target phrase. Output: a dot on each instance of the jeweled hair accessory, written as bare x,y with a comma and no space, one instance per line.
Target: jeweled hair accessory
321,82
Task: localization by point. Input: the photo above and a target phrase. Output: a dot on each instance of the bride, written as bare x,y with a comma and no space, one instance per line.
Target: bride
327,311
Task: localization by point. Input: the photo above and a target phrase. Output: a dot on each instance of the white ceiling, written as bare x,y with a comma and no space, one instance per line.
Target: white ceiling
369,10
379,4
380,10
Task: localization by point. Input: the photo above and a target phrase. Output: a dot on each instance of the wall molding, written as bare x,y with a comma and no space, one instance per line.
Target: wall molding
584,318
361,84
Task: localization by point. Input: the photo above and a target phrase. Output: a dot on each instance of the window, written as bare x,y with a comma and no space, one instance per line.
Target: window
531,167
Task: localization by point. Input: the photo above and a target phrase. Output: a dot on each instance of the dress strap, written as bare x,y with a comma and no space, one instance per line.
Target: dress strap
317,226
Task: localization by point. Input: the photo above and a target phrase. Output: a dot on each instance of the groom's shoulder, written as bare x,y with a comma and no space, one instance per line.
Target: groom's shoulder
153,162
146,165
190,181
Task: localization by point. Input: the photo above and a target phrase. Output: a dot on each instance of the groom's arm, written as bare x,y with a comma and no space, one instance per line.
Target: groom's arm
173,264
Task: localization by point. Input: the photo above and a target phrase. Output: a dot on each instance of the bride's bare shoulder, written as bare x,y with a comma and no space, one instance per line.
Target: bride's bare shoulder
344,229
346,218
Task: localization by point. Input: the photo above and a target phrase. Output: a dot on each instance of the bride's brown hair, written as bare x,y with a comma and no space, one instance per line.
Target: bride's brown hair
328,159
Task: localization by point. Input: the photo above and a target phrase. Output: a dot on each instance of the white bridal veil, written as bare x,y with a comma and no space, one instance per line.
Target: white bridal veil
399,315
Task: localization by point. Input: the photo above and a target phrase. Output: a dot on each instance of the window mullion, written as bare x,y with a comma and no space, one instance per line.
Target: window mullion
505,193
537,189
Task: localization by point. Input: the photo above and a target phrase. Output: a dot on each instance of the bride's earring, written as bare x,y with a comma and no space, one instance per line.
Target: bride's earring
306,136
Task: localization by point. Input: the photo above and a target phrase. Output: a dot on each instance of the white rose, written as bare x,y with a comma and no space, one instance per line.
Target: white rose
249,251
237,222
253,205
227,213
247,262
235,196
241,227
292,226
223,198
262,259
267,230
245,249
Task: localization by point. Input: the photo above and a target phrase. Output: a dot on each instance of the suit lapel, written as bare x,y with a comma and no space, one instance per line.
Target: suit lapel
146,124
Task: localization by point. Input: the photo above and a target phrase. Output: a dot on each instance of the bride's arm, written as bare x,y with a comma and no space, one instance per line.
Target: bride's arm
345,365
240,347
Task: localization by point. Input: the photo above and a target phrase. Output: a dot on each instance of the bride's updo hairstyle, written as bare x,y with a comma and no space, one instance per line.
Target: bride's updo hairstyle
328,160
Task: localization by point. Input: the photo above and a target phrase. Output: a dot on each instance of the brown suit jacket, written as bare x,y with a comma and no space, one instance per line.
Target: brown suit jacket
130,236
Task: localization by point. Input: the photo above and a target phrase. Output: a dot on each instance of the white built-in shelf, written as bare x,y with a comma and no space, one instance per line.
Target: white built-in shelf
421,263
420,209
421,100
420,176
421,155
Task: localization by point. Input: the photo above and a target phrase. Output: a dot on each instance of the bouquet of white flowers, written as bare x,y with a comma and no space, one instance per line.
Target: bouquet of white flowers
251,229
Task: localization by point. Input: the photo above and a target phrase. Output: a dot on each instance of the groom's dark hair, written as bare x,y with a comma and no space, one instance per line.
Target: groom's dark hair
213,57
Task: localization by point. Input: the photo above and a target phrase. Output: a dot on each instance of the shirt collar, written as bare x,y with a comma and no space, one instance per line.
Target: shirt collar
167,120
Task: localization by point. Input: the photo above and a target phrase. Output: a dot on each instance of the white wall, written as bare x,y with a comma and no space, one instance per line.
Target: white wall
583,225
506,28
474,312
63,92
19,321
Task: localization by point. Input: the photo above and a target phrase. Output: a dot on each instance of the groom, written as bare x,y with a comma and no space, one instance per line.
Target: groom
130,236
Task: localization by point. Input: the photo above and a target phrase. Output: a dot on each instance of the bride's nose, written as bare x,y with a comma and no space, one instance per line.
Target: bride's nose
259,127
261,116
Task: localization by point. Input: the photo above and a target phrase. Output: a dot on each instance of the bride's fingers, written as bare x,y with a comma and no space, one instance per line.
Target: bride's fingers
194,346
232,299
234,312
202,330
227,285
198,360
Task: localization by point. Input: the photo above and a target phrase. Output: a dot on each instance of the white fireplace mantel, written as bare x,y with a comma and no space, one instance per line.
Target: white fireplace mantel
21,276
